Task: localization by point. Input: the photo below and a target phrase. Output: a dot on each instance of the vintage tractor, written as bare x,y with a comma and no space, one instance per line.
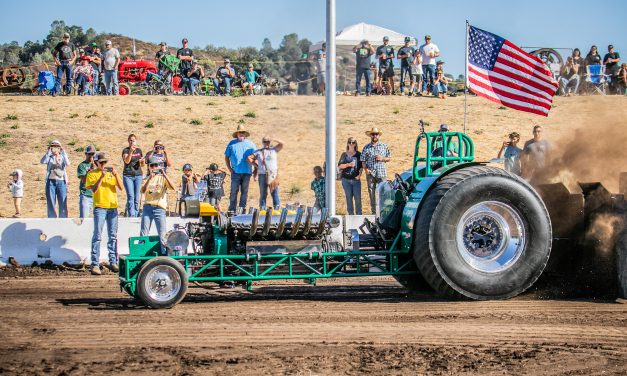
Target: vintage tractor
462,228
133,71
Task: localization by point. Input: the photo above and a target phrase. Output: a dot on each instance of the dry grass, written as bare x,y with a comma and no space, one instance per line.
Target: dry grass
31,122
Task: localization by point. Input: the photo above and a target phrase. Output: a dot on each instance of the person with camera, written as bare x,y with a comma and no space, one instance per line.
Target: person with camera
155,189
193,77
374,157
440,85
266,161
385,54
363,51
512,153
160,154
429,51
104,182
350,169
224,77
132,157
56,161
214,176
569,79
85,199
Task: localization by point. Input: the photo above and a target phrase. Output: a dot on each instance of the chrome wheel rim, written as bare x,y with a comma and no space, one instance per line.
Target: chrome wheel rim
490,236
163,283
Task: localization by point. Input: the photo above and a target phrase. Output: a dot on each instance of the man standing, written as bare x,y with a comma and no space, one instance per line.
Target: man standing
429,52
64,56
363,52
236,158
302,75
406,54
186,56
104,182
96,62
320,57
374,157
267,162
85,198
111,60
385,54
611,60
535,155
163,50
155,188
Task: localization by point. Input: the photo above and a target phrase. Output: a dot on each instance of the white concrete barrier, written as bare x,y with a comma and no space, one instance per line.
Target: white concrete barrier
69,240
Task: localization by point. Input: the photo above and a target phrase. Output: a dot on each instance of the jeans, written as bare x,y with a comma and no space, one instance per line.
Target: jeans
440,88
56,191
372,191
239,182
405,74
83,84
94,87
191,84
132,185
67,68
263,193
157,214
428,76
366,73
573,81
352,191
84,206
111,77
226,81
101,216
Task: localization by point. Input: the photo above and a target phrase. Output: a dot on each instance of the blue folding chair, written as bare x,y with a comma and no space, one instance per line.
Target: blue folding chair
596,79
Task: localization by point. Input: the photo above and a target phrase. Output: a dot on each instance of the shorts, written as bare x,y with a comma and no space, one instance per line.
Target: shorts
386,72
416,77
321,77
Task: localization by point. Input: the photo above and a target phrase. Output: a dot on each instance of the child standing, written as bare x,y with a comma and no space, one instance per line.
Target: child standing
215,184
16,186
317,185
189,182
251,78
416,73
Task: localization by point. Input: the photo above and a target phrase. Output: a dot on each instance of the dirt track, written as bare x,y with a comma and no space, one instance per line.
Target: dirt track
77,324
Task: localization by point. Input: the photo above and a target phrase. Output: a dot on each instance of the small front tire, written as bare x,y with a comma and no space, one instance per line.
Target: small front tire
161,283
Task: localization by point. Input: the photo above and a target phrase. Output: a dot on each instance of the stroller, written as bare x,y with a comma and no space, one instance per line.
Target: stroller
47,83
162,82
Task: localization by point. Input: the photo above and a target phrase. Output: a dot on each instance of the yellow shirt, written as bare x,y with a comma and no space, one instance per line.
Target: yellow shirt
106,196
156,191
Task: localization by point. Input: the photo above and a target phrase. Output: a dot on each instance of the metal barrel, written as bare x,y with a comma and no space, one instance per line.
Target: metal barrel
286,225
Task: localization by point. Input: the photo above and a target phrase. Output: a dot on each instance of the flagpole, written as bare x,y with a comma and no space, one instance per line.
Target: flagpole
466,78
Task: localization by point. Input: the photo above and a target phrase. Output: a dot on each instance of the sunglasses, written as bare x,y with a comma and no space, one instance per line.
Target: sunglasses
154,165
351,142
159,147
374,134
90,154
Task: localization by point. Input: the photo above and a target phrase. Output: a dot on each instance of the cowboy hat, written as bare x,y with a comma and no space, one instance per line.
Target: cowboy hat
241,129
373,130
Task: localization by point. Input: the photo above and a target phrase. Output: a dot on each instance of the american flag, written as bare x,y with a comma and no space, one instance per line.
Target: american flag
503,73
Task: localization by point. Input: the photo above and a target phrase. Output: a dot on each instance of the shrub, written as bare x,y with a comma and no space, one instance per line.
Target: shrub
195,122
15,126
11,117
74,115
241,121
216,118
149,124
250,114
294,189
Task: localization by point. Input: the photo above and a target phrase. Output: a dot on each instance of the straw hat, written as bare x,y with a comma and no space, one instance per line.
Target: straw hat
241,129
373,130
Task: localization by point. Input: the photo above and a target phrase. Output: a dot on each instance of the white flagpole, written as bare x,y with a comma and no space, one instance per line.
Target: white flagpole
466,77
330,109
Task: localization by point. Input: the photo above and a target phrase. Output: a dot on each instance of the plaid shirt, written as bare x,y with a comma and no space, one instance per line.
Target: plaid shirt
317,185
368,155
87,70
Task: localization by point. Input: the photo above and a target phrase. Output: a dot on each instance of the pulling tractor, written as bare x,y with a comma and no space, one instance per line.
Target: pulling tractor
462,228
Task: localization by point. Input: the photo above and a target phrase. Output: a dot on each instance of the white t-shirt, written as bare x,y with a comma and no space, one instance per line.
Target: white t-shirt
271,158
109,58
425,49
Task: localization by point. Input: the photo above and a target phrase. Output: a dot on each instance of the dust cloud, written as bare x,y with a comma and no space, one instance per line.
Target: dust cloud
605,229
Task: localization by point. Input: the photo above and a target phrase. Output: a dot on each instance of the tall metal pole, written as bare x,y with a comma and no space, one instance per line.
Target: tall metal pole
329,100
466,77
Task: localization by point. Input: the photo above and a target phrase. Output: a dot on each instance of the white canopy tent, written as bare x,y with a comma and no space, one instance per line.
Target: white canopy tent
351,36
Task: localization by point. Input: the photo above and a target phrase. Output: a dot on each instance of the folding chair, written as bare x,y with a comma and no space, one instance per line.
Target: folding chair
596,79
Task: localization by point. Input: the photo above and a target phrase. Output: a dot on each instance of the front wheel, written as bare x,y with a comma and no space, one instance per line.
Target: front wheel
161,283
482,233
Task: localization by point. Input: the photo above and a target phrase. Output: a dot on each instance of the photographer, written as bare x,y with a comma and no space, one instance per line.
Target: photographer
155,189
363,52
569,78
512,153
160,154
193,77
132,157
224,77
56,179
104,182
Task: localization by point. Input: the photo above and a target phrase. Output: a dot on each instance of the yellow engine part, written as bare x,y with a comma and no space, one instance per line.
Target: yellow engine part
276,212
207,210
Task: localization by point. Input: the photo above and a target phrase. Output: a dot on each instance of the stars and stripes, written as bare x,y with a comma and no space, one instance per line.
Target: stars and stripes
502,72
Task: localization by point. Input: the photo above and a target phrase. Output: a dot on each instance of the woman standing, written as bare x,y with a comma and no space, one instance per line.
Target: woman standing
350,169
56,179
132,175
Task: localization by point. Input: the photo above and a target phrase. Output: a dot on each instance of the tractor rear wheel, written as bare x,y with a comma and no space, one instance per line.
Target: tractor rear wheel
482,233
161,283
124,89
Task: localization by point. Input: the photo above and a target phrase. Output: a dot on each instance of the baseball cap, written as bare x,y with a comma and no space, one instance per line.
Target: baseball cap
55,143
100,157
66,35
187,166
13,173
610,46
386,38
226,60
108,43
90,149
427,36
407,39
213,167
184,40
93,44
444,127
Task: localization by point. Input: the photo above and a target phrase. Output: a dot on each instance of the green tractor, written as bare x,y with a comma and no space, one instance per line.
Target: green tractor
463,228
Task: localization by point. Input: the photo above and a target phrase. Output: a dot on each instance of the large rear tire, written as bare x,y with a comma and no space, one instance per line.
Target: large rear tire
161,283
482,233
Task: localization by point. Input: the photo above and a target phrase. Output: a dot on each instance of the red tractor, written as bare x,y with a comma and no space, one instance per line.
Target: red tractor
131,71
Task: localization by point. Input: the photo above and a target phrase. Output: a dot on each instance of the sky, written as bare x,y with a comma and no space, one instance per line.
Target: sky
546,23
